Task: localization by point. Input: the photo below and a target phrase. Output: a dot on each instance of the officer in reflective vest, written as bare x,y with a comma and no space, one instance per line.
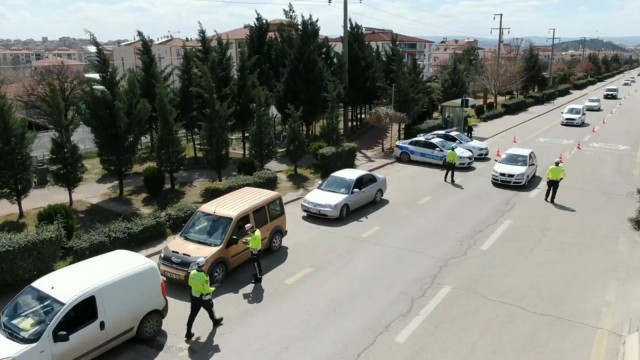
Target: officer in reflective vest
555,174
255,246
450,163
201,296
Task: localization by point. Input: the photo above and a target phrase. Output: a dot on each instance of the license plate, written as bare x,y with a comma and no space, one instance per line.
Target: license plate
172,275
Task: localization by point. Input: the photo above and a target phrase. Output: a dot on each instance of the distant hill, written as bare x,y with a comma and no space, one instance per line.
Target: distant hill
607,43
590,44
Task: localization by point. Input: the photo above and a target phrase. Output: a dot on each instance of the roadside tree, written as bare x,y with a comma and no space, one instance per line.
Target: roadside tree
296,142
263,147
170,151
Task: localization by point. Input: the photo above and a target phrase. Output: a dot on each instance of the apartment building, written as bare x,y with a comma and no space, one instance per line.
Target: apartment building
446,49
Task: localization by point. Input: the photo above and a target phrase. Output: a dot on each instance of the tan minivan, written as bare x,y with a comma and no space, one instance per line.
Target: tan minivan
216,229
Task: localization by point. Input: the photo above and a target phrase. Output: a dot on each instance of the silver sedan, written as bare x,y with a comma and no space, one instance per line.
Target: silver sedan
344,191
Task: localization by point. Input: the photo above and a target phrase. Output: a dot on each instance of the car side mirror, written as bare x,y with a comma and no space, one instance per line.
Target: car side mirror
355,191
61,336
532,164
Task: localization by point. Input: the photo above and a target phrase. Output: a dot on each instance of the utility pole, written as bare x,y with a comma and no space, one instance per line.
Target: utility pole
584,42
553,41
345,55
497,77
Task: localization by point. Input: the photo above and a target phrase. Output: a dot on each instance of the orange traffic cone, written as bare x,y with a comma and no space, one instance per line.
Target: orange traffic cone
593,130
578,147
514,140
604,120
498,154
560,158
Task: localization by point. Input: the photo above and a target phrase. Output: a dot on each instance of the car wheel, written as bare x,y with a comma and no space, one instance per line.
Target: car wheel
149,326
344,212
217,273
276,241
377,197
405,157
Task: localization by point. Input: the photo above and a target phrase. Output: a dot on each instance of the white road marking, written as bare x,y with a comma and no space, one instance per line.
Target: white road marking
534,193
609,146
371,231
555,141
586,138
424,200
496,234
298,276
416,321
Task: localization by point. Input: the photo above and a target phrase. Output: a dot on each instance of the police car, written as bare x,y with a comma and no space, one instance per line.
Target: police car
430,149
478,148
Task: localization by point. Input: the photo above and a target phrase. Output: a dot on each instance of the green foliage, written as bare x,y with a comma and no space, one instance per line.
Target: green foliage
536,97
120,234
245,87
149,81
490,105
296,142
563,90
452,82
186,100
170,151
176,216
479,110
424,128
533,68
550,95
62,213
247,166
15,155
264,179
331,159
592,81
261,137
27,256
634,221
514,106
315,147
581,84
330,130
153,180
493,114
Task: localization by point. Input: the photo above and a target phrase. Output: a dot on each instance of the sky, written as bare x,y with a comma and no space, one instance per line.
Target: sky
119,19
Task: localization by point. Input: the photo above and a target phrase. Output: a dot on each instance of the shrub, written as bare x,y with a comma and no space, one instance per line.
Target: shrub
37,253
265,179
59,212
580,84
530,103
493,114
247,166
423,128
490,105
153,180
479,110
315,147
563,90
120,234
592,81
535,97
332,158
514,106
550,95
176,216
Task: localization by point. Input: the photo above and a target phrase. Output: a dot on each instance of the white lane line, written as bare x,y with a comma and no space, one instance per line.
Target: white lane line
416,321
424,200
534,193
298,276
586,138
371,231
496,234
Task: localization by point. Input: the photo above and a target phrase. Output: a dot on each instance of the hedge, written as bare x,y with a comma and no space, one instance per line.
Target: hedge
332,158
493,114
423,128
514,106
550,94
176,216
580,84
264,179
592,81
27,256
479,110
120,234
563,90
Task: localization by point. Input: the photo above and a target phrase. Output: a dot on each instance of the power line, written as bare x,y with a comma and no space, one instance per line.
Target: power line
553,40
500,30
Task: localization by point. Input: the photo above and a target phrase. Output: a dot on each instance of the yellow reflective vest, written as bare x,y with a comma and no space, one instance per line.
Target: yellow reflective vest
452,157
556,172
199,283
255,240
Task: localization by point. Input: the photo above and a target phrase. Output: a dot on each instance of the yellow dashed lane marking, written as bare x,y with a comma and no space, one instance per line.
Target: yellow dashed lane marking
424,200
298,276
371,231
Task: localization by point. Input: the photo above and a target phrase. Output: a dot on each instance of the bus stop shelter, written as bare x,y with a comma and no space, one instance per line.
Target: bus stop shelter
453,113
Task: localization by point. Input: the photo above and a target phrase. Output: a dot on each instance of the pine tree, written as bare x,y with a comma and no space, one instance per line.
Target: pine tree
244,96
452,83
296,141
330,131
15,156
149,77
186,102
170,151
263,147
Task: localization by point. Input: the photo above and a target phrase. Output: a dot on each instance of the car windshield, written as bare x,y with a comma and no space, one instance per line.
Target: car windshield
573,111
594,100
445,144
206,228
462,137
28,315
337,184
514,159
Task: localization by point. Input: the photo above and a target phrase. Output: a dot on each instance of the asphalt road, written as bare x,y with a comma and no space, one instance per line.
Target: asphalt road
441,271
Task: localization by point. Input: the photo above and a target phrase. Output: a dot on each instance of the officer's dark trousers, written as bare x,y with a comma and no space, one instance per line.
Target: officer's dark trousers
257,266
552,186
450,167
196,304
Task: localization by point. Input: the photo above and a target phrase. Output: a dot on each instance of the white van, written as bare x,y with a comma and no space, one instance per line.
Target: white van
85,309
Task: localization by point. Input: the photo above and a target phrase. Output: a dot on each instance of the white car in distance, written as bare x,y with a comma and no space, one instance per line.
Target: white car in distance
574,115
593,104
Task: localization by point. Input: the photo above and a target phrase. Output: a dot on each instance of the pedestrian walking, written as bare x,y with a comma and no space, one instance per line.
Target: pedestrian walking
201,296
555,174
255,246
470,131
450,163
446,122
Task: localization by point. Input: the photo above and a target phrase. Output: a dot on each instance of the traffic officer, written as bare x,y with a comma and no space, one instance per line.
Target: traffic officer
255,246
201,296
450,163
555,174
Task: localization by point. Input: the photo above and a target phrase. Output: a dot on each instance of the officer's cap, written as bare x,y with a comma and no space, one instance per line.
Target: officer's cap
201,261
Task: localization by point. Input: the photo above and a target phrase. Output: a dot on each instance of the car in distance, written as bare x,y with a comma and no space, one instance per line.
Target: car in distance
593,103
610,92
574,115
632,79
430,149
517,166
477,148
343,191
626,82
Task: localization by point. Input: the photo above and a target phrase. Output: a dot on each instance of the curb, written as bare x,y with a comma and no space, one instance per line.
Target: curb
631,346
